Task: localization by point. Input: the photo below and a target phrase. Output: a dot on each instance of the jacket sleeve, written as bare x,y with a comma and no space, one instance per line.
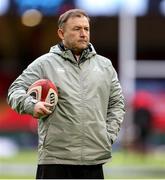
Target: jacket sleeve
17,97
116,110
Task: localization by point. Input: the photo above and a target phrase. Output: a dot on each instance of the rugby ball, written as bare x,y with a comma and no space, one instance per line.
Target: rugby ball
44,90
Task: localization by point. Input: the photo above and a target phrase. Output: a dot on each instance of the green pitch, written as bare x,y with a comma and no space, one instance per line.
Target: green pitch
124,165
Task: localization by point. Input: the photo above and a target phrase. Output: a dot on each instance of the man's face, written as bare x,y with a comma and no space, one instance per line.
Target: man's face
75,34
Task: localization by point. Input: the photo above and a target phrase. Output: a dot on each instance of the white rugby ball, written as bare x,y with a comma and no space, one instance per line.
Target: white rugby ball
44,90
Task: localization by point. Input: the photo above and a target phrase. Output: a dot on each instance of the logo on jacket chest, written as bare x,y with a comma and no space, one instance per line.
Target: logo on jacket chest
60,70
97,69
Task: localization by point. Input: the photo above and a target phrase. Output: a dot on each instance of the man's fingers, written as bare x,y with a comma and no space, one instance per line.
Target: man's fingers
48,104
42,108
45,110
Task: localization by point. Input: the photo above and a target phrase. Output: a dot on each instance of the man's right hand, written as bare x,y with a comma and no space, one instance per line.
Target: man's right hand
41,109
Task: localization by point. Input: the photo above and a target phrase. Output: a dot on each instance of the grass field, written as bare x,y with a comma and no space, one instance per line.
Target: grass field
131,165
123,165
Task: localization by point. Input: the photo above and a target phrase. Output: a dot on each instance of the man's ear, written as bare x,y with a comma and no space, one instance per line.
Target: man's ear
60,33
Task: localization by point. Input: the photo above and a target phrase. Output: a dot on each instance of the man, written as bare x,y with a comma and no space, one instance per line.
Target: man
75,139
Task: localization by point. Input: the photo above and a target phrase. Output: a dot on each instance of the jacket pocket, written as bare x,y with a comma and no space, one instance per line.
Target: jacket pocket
63,140
110,142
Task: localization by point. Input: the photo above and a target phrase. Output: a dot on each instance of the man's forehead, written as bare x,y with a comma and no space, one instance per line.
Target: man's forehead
78,20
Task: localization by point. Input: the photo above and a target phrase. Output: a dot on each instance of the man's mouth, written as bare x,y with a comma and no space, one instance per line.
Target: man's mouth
82,40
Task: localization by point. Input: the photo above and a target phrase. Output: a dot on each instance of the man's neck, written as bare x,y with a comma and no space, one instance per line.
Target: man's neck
76,54
77,57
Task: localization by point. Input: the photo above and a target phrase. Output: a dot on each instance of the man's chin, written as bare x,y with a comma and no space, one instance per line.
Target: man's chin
82,47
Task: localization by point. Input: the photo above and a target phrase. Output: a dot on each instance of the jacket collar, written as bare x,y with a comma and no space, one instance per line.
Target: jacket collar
68,55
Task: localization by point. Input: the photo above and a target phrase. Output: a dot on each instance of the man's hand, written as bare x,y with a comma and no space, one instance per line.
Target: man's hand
41,109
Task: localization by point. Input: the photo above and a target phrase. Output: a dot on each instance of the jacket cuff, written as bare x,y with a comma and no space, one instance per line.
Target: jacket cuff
29,105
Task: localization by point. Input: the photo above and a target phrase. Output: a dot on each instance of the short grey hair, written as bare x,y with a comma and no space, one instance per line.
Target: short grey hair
69,14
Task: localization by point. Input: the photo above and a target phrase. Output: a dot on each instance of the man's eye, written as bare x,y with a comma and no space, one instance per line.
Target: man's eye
76,29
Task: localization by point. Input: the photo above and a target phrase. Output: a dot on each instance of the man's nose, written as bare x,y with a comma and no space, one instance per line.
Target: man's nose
82,32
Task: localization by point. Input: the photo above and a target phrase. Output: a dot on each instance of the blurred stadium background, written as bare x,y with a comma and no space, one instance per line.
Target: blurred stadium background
129,32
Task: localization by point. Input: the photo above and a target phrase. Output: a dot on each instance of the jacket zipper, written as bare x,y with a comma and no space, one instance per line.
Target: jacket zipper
82,117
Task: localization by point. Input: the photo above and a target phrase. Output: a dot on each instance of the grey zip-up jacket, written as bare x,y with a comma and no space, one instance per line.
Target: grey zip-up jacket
89,112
